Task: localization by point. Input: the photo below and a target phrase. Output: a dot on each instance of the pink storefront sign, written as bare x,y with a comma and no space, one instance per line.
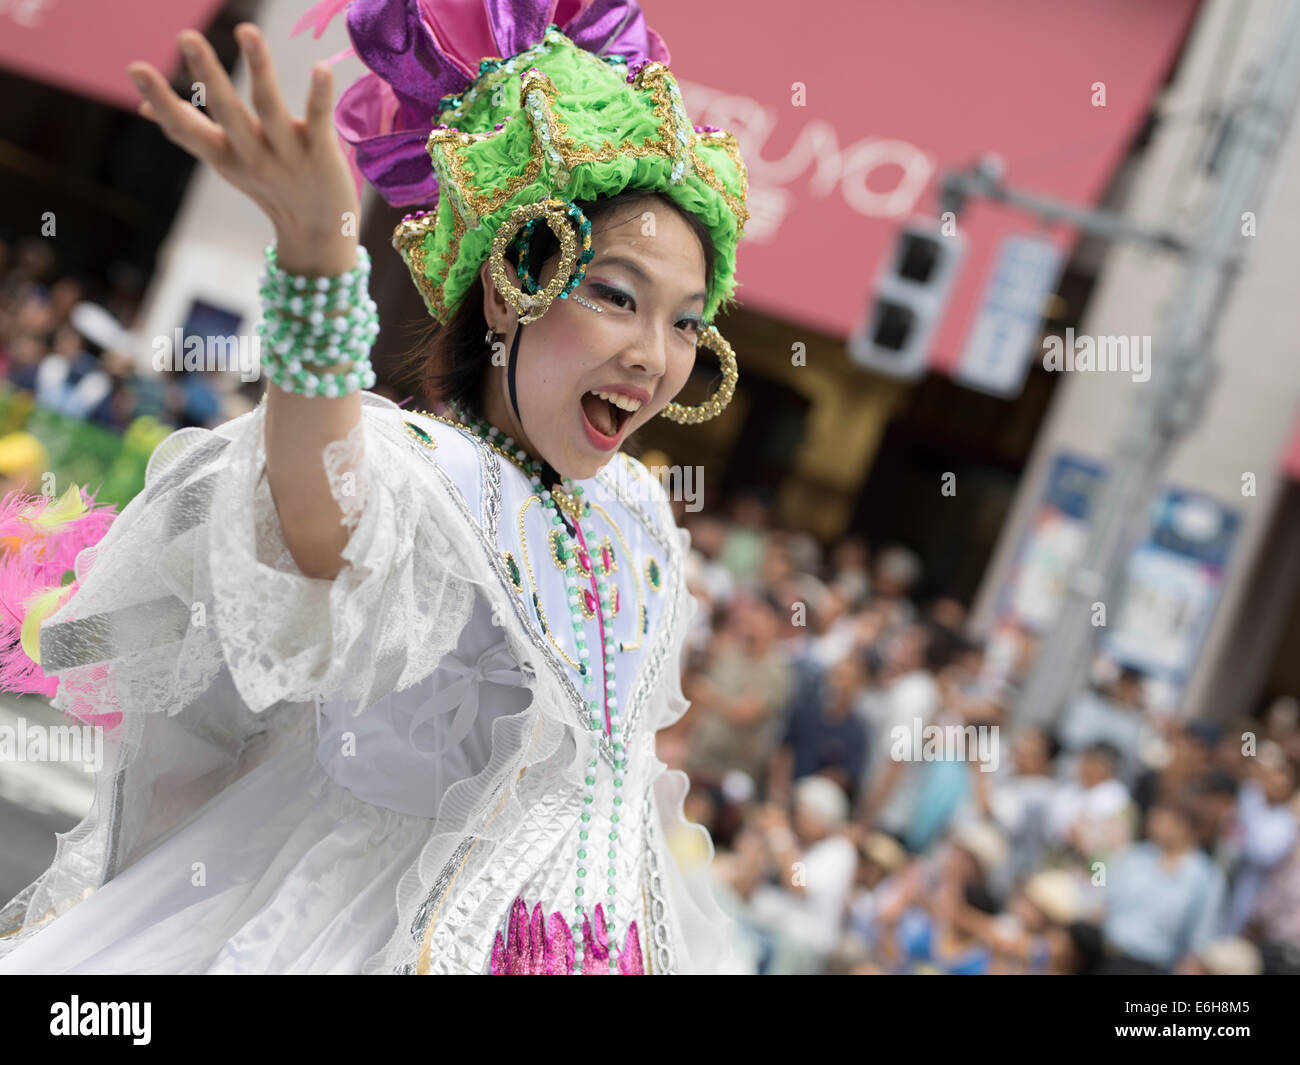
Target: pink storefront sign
83,46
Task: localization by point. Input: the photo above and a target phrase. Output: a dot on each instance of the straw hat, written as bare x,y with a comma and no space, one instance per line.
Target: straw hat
884,850
986,843
1232,956
1056,894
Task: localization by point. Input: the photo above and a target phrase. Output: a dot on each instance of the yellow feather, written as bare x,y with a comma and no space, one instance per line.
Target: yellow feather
58,514
39,608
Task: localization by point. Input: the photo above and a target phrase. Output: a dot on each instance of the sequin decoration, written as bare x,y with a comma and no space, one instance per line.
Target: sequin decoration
516,577
653,576
420,434
608,563
539,946
561,552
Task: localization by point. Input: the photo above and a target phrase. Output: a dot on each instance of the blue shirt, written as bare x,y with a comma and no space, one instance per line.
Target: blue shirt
820,742
1157,914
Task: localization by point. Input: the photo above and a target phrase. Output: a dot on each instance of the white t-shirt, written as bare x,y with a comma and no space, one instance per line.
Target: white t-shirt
816,918
912,697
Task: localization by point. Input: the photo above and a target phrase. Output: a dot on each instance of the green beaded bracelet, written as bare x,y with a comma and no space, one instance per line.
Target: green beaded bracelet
327,385
288,283
301,337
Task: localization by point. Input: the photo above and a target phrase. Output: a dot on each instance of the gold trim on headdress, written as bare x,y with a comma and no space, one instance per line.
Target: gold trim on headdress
531,306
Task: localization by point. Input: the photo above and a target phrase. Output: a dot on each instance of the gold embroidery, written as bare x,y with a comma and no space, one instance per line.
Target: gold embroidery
623,645
532,580
420,434
516,575
608,545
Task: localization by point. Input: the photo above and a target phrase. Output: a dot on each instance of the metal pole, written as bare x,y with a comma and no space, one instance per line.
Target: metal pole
1167,404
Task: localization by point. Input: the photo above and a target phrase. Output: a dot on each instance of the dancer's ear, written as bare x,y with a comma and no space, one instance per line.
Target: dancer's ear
498,314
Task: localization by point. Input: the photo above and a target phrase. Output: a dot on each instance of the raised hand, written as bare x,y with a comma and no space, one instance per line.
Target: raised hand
292,168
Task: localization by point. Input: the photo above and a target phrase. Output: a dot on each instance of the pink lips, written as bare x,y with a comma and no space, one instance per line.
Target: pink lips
599,440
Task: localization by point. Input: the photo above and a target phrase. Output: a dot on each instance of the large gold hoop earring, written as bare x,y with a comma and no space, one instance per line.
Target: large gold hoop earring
714,405
531,306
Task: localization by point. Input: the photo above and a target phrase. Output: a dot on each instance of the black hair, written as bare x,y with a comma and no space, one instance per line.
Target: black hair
1107,750
1218,782
450,361
769,599
941,646
1088,945
1184,806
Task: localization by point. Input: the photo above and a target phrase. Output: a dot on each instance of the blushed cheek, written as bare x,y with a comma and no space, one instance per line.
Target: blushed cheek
681,370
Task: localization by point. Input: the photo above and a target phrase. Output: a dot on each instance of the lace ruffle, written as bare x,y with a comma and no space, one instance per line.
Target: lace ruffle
196,622
220,589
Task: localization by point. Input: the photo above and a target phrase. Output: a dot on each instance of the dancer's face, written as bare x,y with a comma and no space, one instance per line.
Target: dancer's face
647,276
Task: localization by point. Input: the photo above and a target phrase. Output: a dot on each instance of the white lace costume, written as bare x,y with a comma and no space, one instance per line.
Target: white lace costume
363,774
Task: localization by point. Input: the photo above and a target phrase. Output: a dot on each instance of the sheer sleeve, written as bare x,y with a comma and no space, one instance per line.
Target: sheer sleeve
194,576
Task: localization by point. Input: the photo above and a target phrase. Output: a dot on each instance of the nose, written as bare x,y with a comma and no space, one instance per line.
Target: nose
647,352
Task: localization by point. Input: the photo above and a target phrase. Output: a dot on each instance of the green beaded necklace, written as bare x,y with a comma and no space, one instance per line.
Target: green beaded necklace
574,541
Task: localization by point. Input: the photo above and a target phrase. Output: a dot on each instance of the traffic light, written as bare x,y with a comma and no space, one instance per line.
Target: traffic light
908,301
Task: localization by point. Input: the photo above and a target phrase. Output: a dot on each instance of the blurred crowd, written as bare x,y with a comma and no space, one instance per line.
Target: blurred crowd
1123,839
70,343
877,804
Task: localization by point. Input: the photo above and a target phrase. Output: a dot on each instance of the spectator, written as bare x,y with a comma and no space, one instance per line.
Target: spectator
880,858
1114,715
741,696
850,561
817,863
70,379
1268,829
1191,758
746,541
1019,798
897,573
921,923
1275,919
823,735
1163,897
1093,816
912,702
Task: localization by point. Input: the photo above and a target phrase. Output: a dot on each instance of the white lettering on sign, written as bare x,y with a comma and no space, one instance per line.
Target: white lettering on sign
877,177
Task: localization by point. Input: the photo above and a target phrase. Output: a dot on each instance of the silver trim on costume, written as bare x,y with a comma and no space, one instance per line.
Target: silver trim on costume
658,935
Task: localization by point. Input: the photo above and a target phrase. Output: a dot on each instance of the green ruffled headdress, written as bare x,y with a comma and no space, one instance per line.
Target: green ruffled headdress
550,115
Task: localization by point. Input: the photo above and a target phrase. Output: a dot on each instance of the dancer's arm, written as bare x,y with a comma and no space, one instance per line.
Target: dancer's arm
294,170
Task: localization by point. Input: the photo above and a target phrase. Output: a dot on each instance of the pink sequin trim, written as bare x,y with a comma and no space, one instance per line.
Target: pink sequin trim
539,946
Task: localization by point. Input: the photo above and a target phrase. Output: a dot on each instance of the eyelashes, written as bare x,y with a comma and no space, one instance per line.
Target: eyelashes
610,293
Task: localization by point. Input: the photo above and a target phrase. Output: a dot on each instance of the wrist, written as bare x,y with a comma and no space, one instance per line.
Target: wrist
315,255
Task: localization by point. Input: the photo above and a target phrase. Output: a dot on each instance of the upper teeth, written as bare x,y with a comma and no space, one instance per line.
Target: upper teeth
624,402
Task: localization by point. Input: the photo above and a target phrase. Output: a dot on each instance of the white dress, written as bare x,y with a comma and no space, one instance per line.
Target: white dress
364,774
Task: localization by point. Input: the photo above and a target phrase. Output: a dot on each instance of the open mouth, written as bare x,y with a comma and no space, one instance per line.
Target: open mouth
607,413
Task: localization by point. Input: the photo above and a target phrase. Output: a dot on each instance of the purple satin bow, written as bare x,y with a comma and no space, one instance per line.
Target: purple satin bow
419,51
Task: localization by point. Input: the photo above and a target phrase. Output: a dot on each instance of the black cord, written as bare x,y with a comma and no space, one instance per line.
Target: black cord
550,475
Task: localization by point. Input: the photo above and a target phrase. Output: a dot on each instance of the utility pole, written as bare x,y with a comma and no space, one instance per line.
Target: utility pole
1166,406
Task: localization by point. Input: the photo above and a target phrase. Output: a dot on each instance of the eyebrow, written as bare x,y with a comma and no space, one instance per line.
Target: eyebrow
634,267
